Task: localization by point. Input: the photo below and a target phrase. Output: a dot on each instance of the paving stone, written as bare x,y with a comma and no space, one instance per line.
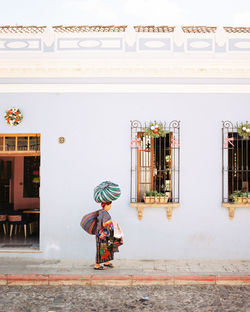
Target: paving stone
120,299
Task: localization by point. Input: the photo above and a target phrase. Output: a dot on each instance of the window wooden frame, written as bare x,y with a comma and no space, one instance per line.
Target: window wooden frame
16,152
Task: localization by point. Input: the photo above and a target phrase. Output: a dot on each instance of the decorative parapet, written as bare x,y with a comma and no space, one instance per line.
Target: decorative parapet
128,51
164,39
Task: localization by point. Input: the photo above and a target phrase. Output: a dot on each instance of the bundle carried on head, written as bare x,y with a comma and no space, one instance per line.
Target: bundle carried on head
106,192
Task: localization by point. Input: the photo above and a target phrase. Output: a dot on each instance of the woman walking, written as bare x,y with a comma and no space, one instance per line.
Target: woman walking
104,252
106,243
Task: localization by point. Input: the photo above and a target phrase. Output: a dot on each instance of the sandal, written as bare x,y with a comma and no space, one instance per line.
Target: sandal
99,268
110,265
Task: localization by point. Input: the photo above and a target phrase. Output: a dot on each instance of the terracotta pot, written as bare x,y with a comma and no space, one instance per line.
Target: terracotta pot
162,199
152,199
244,200
239,200
165,199
147,199
157,200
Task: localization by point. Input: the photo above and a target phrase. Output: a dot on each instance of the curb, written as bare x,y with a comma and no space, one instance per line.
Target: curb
121,280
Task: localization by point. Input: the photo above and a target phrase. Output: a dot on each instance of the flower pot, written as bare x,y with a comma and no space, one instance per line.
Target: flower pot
244,200
147,199
152,199
162,199
235,200
165,199
157,199
239,200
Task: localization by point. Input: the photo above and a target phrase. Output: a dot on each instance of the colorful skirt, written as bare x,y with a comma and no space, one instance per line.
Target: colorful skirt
103,251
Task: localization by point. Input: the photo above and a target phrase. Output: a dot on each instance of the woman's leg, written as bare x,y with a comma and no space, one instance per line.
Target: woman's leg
97,264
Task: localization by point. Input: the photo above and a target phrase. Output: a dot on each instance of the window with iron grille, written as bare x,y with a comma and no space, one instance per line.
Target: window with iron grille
235,165
155,162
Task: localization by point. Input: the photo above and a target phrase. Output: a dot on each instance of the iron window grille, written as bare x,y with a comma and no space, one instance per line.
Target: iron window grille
155,162
235,163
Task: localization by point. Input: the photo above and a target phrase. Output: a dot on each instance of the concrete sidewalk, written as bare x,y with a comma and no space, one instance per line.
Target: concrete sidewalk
31,271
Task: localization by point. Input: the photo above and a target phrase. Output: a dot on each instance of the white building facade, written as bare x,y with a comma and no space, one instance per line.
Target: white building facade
80,89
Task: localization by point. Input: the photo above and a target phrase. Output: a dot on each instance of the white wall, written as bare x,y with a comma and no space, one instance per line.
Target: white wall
97,148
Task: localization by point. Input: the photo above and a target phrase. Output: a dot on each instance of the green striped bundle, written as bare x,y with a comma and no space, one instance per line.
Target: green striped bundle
106,192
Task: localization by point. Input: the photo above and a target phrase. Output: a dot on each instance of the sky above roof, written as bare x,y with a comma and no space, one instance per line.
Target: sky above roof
125,12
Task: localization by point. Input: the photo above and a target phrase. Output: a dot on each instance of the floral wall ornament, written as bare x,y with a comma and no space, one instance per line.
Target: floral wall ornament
243,130
155,130
13,116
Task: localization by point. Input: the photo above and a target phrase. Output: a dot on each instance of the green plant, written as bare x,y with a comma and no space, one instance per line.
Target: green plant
243,130
155,130
150,193
234,196
147,193
237,193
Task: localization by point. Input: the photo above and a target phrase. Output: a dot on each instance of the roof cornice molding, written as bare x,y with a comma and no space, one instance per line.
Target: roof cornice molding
129,53
65,68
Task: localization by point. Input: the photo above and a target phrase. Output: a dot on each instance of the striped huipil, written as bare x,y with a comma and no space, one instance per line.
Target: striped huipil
102,252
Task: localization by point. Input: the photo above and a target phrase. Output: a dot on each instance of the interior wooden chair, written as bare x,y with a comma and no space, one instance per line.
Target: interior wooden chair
3,220
18,219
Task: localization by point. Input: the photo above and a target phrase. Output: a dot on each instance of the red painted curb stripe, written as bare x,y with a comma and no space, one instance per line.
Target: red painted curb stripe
3,277
151,277
233,278
206,278
33,277
54,277
69,277
110,277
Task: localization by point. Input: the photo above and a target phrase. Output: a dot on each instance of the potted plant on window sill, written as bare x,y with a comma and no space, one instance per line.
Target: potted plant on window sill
244,198
236,197
163,198
147,197
240,198
153,197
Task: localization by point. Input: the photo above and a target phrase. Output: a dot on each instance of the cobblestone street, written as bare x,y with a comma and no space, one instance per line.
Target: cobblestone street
119,299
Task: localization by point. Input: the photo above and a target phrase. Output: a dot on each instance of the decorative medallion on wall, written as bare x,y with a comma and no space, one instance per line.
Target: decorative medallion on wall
13,116
61,140
243,130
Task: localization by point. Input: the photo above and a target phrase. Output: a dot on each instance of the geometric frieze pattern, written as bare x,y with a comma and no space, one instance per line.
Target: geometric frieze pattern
75,44
8,44
125,39
140,44
130,40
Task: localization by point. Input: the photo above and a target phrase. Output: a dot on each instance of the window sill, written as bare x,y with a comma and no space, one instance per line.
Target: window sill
169,208
231,208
